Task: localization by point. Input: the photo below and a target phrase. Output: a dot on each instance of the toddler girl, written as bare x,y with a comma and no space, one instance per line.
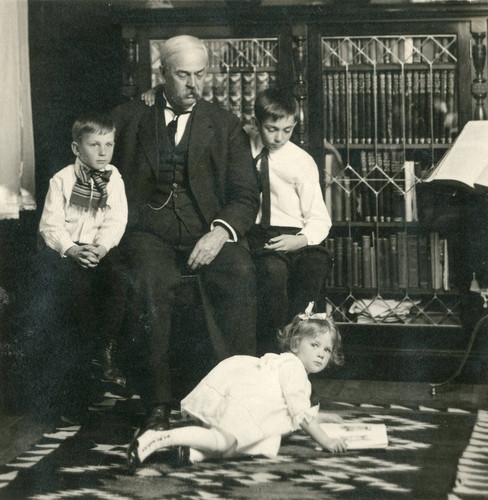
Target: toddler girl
246,404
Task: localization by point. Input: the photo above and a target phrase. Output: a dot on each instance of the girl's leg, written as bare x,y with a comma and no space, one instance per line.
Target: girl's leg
211,442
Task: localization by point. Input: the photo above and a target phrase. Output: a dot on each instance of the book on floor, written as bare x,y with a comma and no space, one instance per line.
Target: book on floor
358,436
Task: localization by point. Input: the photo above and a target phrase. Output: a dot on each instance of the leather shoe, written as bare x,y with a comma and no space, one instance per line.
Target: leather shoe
133,461
157,419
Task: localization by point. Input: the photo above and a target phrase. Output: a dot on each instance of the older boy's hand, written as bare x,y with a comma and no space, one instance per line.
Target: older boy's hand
149,97
287,242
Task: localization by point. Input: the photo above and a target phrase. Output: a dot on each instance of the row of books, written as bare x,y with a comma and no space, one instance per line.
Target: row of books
382,188
389,107
242,53
388,50
400,260
237,92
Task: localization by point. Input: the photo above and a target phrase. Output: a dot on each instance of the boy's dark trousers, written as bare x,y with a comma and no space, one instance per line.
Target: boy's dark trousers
287,282
69,312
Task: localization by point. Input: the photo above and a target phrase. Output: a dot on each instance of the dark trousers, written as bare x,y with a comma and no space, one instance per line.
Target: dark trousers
158,252
287,282
67,312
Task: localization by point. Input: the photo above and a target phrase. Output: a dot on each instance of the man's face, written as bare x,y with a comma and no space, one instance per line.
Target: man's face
184,78
276,133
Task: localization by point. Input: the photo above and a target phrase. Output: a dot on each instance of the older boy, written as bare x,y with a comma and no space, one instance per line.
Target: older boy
292,221
83,220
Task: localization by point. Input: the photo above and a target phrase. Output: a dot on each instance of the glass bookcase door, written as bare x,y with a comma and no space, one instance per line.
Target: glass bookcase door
239,69
390,113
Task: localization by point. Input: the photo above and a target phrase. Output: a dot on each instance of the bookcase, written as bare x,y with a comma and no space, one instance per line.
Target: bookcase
383,92
390,111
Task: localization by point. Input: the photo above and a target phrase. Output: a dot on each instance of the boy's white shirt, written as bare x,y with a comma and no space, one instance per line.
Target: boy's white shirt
296,197
63,224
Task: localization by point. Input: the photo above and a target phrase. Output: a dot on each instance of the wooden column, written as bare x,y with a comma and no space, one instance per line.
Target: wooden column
479,87
299,59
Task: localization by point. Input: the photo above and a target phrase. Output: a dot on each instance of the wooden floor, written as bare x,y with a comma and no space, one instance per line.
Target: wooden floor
20,432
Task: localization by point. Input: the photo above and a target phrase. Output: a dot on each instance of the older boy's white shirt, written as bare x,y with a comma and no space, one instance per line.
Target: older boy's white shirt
296,197
62,225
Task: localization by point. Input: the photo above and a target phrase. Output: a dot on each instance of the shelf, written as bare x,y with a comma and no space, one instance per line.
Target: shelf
410,292
389,147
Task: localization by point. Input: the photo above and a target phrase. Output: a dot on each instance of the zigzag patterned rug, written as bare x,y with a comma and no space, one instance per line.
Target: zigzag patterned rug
424,460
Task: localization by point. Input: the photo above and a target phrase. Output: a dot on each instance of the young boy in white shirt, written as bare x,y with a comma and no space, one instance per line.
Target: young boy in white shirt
285,242
83,220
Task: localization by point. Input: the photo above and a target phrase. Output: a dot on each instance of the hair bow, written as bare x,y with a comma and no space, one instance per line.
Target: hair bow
309,315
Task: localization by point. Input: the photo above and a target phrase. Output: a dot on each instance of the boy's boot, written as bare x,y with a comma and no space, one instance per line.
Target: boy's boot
104,360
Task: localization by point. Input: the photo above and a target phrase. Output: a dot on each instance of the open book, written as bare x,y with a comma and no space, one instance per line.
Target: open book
467,160
358,436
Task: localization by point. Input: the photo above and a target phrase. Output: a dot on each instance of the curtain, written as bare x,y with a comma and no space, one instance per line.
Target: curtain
17,181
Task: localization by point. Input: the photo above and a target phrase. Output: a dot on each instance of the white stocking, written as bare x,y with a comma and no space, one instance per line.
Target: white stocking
208,441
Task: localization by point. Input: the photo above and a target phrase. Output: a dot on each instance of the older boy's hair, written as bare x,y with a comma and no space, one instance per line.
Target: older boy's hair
92,123
276,103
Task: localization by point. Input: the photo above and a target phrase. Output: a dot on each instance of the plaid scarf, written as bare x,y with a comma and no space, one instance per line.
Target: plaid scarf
88,194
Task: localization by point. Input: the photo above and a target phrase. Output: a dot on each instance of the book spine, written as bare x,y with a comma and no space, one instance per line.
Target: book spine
336,107
343,107
366,254
389,107
402,260
438,115
328,108
444,133
412,259
451,102
369,110
207,92
423,259
415,106
348,251
362,107
221,89
347,199
422,116
408,107
339,260
262,82
382,121
393,248
235,94
355,264
248,96
330,245
355,107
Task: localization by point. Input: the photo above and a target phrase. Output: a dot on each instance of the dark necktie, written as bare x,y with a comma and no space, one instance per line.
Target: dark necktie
173,126
263,177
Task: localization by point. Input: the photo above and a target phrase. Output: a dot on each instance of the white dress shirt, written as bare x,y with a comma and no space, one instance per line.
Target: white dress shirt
63,225
296,197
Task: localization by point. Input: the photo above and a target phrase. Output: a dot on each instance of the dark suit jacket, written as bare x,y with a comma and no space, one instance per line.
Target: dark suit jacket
220,172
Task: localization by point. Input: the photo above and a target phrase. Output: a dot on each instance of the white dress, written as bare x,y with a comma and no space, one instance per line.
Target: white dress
256,400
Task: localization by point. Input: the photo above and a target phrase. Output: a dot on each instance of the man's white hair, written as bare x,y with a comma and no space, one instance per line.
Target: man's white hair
178,44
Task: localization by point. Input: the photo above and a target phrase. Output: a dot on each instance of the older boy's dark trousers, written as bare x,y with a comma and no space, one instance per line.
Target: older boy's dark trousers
287,282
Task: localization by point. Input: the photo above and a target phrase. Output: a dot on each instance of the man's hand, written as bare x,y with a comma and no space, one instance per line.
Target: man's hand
287,243
82,255
208,247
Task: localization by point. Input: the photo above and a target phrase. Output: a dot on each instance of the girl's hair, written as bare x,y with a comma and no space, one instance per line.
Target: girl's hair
276,103
291,335
92,123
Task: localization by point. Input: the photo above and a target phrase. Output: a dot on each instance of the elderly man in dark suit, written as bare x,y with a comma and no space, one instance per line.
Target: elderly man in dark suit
192,197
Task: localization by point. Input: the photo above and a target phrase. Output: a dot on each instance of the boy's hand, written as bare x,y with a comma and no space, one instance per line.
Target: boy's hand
336,446
82,255
149,97
98,250
287,242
